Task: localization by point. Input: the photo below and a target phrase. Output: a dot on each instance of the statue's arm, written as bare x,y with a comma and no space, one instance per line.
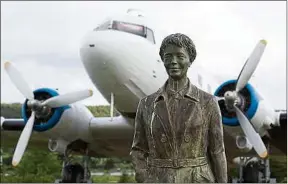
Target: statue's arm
216,143
139,150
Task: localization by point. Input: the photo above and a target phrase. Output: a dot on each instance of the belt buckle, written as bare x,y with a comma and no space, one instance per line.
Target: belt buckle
175,162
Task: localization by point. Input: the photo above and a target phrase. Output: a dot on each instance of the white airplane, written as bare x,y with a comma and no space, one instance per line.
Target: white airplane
121,58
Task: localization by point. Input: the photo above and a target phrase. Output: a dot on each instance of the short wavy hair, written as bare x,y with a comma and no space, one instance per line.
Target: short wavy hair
180,40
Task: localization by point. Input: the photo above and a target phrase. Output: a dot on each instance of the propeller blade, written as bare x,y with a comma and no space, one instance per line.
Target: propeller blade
220,98
68,98
23,140
18,80
250,65
253,137
2,121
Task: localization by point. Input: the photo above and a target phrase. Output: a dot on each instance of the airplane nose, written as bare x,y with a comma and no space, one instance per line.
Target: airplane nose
104,46
94,47
104,52
115,52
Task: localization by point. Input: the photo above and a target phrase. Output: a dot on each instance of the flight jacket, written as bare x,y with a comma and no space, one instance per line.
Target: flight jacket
158,149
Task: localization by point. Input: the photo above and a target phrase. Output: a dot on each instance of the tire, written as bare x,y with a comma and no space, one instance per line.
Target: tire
250,173
73,173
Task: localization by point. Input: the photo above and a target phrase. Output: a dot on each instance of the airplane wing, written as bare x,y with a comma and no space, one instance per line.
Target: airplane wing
112,137
106,136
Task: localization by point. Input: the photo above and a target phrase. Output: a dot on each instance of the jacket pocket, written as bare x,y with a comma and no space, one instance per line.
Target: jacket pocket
205,178
204,175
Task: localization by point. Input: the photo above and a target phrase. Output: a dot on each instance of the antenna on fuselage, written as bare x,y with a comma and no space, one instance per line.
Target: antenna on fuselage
112,106
138,12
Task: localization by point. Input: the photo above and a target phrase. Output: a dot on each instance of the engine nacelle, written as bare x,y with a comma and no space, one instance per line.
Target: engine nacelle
59,145
243,143
74,124
249,97
260,113
70,122
264,118
44,123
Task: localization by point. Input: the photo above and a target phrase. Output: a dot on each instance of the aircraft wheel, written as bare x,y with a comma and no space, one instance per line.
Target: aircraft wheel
251,173
73,173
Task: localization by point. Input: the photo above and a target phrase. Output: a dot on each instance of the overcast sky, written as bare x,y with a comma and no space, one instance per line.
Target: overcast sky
43,39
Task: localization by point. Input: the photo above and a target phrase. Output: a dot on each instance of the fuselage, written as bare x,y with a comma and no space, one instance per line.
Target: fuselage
123,64
126,64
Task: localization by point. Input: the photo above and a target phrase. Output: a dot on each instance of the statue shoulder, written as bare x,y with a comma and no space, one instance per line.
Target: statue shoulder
206,97
148,99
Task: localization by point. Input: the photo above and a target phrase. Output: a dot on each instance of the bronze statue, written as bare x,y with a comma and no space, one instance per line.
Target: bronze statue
178,134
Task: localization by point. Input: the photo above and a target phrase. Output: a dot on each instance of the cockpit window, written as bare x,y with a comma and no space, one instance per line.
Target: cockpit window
150,35
130,28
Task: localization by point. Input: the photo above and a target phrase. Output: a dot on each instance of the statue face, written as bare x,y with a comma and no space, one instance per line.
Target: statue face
176,61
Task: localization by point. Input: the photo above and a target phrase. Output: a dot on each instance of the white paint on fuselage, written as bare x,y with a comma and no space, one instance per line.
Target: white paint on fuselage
123,64
127,65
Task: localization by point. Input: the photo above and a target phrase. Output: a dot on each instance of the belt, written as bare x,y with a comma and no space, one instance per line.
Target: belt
177,163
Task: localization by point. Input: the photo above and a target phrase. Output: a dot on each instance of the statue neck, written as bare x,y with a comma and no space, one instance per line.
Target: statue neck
176,85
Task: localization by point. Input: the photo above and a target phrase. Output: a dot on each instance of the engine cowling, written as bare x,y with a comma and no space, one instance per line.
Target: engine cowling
52,118
249,98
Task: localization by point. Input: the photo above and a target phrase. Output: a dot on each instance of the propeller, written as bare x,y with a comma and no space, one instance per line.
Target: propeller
250,65
253,137
67,98
218,98
232,99
2,121
37,106
18,80
23,140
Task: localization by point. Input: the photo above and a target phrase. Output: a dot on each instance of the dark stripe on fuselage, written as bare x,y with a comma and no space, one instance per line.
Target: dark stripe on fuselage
13,125
131,115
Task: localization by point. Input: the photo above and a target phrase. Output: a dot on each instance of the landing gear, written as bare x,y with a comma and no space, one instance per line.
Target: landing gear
254,170
87,173
75,173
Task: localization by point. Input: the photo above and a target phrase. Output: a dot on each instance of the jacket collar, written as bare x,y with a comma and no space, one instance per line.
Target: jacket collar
192,92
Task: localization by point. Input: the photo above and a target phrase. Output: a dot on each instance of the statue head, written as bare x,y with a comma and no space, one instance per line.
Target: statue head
178,52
